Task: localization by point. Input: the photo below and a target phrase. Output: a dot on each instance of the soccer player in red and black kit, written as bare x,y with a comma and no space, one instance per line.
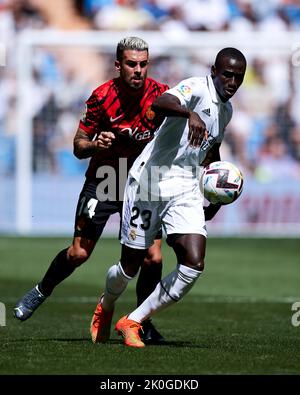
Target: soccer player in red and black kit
118,123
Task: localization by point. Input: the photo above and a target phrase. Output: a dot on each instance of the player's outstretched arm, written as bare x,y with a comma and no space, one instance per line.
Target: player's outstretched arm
84,147
169,106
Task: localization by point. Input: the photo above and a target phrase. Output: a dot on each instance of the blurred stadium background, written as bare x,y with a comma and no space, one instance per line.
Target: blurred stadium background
53,54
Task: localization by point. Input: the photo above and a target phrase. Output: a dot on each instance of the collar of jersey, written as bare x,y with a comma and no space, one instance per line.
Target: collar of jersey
212,90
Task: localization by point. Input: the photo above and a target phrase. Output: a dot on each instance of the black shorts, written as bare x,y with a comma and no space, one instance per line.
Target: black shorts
92,214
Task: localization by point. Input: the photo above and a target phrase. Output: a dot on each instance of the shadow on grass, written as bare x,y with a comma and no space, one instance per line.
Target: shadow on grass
176,344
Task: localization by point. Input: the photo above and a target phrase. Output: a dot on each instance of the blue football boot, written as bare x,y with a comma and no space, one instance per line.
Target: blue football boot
28,304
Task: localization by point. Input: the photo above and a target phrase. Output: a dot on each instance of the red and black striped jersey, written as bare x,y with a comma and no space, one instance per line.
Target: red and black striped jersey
112,107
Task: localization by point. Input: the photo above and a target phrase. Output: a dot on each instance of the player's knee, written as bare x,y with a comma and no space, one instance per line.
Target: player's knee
155,260
196,262
200,265
131,260
77,256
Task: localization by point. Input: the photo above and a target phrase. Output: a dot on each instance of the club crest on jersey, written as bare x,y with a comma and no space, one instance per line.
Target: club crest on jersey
132,234
150,114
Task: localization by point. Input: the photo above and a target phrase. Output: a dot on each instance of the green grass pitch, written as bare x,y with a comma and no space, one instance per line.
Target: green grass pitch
236,320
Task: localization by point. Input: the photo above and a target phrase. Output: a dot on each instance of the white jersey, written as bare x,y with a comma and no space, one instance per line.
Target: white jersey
169,156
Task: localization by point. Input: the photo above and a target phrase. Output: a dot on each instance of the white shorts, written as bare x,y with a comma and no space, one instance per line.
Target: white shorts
142,219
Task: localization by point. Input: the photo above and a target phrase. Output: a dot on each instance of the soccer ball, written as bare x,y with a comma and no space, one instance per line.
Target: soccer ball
222,182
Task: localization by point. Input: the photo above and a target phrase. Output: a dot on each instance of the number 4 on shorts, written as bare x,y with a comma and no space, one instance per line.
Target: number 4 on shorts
92,203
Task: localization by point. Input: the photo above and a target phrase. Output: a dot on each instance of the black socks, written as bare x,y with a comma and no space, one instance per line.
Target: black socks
59,269
149,277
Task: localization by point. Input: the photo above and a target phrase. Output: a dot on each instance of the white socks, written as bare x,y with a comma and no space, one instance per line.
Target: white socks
116,283
171,289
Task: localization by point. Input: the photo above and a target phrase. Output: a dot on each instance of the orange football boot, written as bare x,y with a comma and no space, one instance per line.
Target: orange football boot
129,330
100,325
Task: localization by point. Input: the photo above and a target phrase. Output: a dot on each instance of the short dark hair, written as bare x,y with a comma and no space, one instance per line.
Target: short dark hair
230,53
133,43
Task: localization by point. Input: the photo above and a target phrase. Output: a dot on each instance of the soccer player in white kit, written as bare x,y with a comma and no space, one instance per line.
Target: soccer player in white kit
163,189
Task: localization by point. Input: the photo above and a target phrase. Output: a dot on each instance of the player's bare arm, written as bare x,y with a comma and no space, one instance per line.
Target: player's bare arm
84,147
213,155
169,105
211,210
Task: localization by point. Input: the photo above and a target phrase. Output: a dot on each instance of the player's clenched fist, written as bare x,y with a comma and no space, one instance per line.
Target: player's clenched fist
104,140
84,147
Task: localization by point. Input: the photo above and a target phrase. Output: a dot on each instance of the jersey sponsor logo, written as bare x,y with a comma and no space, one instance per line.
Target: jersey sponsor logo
136,135
207,111
112,119
150,114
